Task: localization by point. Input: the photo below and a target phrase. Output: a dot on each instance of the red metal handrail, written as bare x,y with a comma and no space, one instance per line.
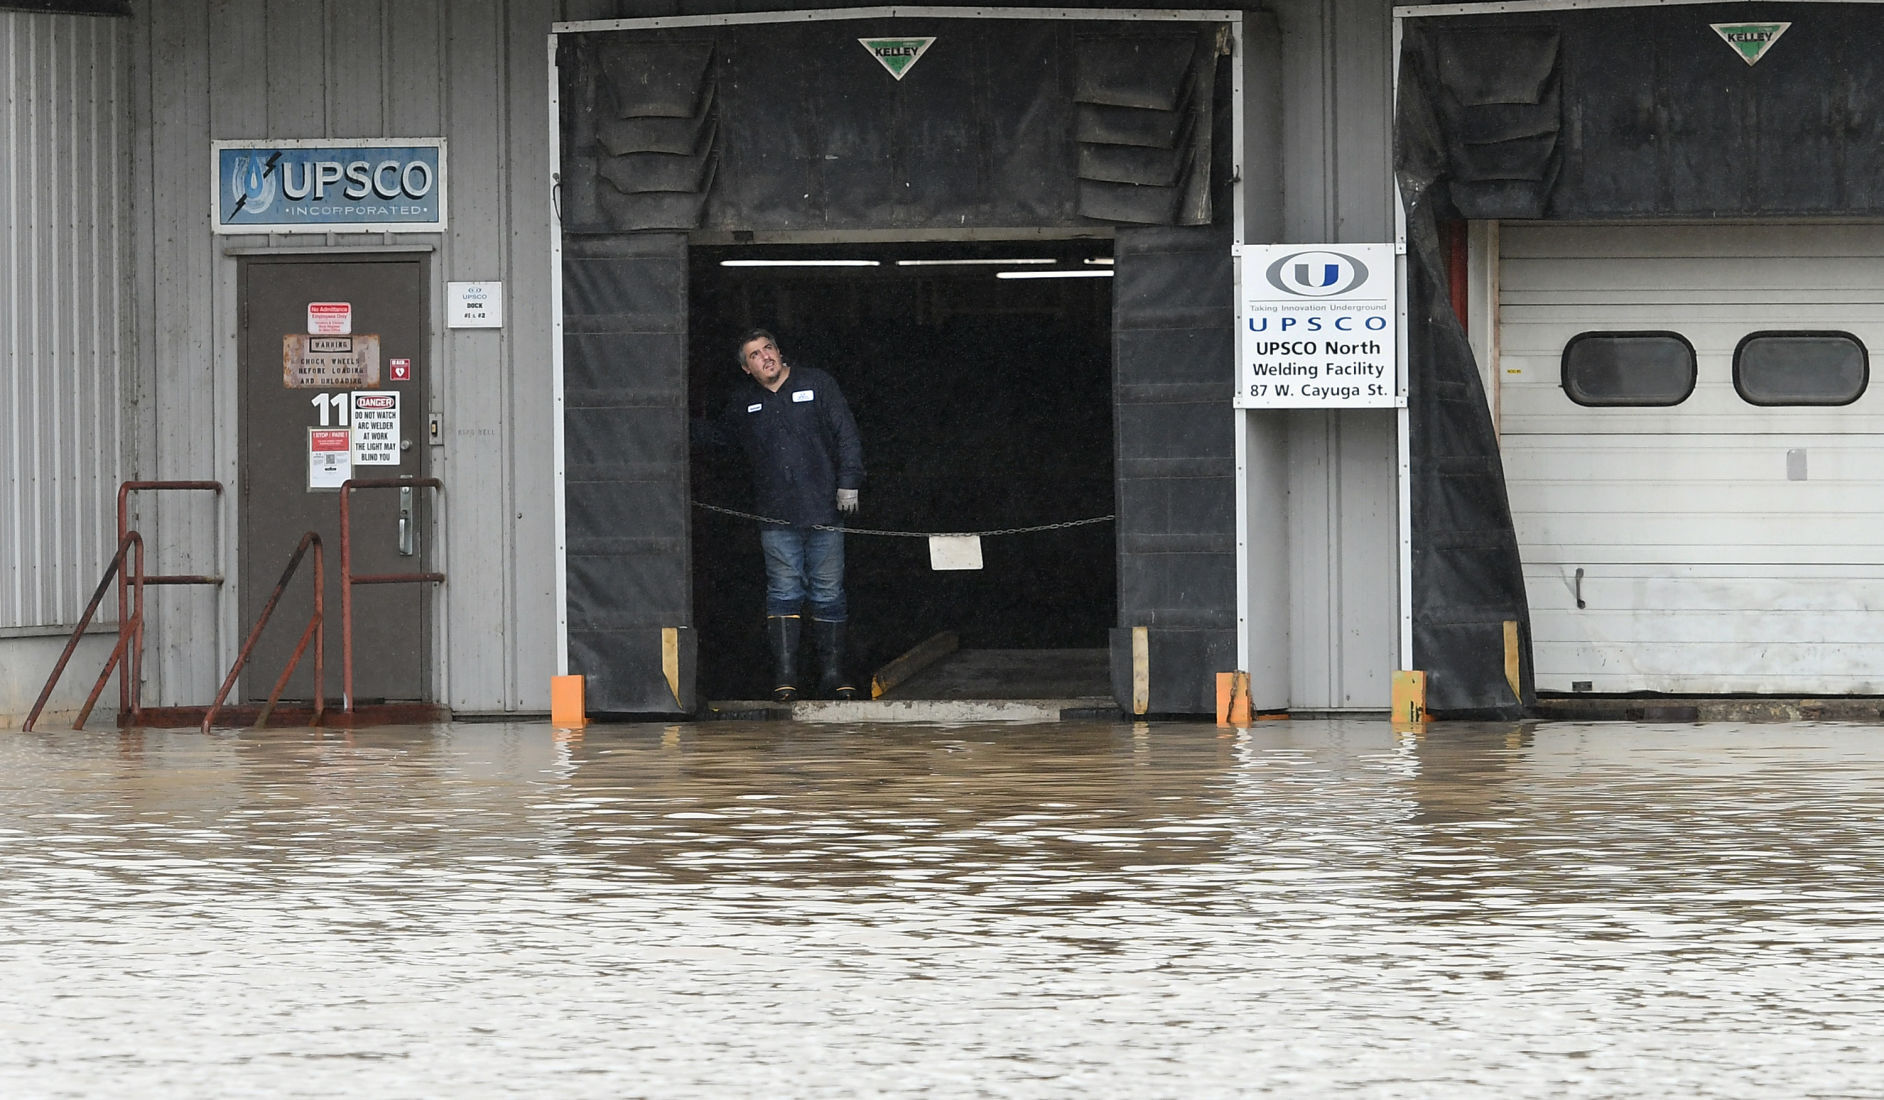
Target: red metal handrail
316,629
129,687
348,580
129,627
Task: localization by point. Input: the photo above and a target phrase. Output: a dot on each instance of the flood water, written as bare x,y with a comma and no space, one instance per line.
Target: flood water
1304,909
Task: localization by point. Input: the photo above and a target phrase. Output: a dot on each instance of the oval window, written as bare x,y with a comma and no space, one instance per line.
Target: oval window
1801,368
1628,368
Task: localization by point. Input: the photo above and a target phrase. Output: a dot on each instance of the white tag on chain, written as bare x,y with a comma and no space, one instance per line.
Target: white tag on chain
954,552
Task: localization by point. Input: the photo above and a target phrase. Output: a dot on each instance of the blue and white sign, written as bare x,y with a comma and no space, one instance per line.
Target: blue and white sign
1318,328
369,185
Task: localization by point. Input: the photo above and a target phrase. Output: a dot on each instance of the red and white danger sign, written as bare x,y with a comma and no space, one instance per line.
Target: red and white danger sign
376,428
329,318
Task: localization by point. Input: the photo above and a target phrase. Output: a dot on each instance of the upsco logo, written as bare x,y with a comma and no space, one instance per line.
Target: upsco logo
1316,274
252,182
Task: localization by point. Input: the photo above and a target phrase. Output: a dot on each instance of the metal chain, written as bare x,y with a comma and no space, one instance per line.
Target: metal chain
911,534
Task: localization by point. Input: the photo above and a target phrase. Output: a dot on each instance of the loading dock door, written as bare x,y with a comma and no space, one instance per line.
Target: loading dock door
1716,545
384,298
1051,120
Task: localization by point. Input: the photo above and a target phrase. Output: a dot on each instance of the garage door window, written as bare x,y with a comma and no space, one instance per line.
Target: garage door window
1628,368
1801,368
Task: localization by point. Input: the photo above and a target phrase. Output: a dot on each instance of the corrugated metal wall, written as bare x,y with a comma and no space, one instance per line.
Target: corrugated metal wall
63,183
472,71
1337,58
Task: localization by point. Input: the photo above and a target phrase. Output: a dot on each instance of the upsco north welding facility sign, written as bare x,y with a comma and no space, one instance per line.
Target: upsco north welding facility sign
393,186
1318,327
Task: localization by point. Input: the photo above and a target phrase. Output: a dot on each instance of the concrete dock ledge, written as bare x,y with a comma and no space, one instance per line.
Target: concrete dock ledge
918,710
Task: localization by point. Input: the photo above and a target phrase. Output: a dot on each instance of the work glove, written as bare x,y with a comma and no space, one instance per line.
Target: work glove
847,500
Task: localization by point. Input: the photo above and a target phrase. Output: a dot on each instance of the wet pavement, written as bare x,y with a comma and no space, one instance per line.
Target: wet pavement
1108,910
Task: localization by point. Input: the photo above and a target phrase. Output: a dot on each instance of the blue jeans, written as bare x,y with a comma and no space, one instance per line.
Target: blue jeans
801,562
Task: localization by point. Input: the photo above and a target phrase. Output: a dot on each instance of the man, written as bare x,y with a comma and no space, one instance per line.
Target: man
807,466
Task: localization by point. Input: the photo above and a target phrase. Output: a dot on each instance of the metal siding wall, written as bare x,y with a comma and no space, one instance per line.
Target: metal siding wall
62,264
475,73
528,461
471,387
176,313
1338,186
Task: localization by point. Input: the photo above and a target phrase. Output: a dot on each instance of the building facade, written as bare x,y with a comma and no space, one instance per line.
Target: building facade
1319,550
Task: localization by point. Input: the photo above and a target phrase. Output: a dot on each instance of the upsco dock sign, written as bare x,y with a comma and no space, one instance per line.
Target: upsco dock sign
375,186
1318,328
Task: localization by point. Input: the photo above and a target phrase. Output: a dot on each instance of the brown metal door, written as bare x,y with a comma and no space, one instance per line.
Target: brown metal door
293,379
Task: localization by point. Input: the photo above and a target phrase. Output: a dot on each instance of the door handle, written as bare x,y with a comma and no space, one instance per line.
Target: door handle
1579,592
408,531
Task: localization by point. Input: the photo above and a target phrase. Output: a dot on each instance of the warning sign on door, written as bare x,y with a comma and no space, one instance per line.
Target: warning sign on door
329,457
376,428
329,318
329,362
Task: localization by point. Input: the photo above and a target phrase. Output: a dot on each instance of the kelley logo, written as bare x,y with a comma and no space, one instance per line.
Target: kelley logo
1751,40
898,55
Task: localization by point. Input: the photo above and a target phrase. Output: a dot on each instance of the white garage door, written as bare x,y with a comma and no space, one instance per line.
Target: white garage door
1727,540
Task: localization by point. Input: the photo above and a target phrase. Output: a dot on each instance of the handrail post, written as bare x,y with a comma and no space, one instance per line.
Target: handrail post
346,598
124,673
136,652
320,634
131,671
119,654
113,568
136,660
314,629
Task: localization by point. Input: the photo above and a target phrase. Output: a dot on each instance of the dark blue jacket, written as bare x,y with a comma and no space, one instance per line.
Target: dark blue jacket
801,442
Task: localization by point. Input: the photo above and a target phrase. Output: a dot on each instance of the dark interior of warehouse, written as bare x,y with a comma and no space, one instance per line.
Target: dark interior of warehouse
984,403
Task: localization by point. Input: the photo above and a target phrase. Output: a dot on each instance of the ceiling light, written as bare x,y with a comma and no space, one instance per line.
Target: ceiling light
956,263
801,263
1106,260
1053,274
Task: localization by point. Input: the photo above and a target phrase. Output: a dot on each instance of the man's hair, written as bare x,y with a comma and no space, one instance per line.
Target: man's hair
739,349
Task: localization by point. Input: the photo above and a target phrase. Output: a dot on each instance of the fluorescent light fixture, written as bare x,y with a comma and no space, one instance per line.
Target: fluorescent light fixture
801,263
963,263
1106,260
1096,274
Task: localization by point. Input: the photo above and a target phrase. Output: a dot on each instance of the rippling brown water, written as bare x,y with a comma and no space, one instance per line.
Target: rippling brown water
1305,909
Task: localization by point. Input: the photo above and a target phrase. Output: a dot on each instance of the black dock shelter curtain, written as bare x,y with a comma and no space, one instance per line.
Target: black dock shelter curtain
1005,124
1009,123
1644,113
1468,578
626,476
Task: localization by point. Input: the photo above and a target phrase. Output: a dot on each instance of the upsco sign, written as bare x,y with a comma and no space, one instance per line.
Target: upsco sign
313,187
1318,327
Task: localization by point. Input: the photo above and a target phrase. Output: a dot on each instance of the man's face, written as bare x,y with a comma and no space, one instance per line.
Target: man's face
763,361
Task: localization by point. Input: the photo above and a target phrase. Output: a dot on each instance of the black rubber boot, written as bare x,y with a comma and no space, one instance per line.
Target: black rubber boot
781,633
832,682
